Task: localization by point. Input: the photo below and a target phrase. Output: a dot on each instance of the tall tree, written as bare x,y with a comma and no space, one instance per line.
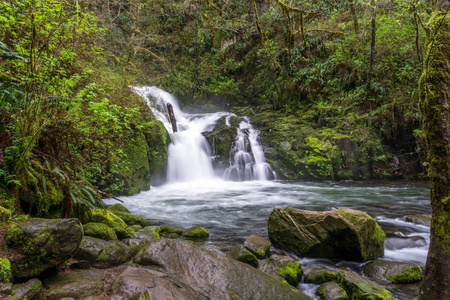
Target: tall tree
434,86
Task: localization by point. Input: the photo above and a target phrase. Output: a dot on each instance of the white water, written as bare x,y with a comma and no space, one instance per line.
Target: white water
189,154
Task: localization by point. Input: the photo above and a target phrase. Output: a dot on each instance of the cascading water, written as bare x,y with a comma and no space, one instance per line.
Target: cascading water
247,161
189,155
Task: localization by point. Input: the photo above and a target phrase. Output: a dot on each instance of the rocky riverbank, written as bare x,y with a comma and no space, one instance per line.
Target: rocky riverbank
114,255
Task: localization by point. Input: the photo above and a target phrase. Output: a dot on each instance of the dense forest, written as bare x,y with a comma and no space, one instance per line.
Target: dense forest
332,85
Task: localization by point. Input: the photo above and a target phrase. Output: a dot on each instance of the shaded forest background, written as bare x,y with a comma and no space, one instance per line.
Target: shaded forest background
332,85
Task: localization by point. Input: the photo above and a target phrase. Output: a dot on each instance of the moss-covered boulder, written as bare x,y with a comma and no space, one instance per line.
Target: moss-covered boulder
240,253
146,234
331,291
100,231
393,272
5,214
5,270
42,244
131,220
342,233
103,254
213,275
164,230
27,290
318,275
135,244
109,218
196,232
118,208
359,287
257,245
286,267
133,229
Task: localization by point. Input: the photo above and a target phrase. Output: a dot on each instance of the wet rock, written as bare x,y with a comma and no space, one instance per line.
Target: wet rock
27,290
81,265
259,246
164,230
136,244
103,254
100,231
135,281
342,233
42,244
5,288
196,232
221,138
146,234
419,219
79,284
393,272
211,275
359,287
118,208
320,275
240,253
331,291
398,242
286,267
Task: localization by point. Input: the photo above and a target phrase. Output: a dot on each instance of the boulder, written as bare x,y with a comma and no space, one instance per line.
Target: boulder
286,267
393,272
211,275
109,218
103,254
331,291
136,244
133,229
79,284
27,290
42,244
164,230
240,253
399,242
5,288
131,220
342,233
146,234
318,275
136,281
419,219
358,287
196,232
100,231
257,245
118,208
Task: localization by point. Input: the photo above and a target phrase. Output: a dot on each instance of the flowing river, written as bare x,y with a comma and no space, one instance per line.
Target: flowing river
196,195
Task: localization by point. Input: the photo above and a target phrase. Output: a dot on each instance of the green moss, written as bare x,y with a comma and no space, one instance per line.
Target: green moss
163,230
99,230
110,219
5,214
292,272
243,255
118,208
196,232
410,275
131,220
5,270
133,229
322,277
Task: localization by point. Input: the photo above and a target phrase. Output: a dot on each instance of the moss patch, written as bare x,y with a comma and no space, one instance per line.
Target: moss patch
5,270
410,275
118,208
292,272
99,230
196,232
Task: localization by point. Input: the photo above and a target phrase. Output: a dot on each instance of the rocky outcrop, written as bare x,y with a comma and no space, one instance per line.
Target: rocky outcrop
211,275
393,272
42,244
343,233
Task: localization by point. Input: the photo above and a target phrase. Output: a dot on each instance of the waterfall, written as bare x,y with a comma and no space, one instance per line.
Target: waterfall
189,154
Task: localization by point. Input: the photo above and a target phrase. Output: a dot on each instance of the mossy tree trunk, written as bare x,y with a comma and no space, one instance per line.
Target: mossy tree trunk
434,88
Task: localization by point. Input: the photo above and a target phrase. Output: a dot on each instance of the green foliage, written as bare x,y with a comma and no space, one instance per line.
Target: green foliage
5,269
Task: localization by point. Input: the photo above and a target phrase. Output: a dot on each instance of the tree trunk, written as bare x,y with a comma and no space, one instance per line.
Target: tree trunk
354,16
172,119
372,49
434,86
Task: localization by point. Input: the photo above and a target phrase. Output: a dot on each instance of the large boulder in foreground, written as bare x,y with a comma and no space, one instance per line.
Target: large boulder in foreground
212,275
42,244
342,233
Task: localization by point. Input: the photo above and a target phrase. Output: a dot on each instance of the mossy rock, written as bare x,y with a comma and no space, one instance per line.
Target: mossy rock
131,220
240,253
146,234
100,231
28,289
358,287
292,272
113,254
136,244
133,229
393,272
257,245
118,208
331,291
110,219
321,275
343,233
5,270
164,230
286,267
196,233
5,214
